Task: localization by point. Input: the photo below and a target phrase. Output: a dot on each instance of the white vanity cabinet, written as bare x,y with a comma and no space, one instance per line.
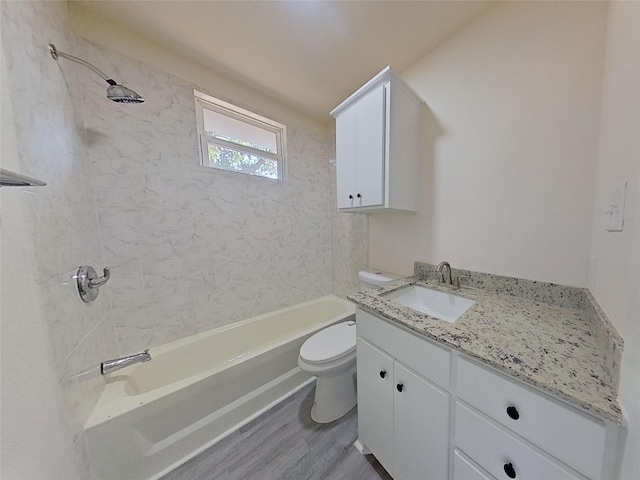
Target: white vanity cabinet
403,416
428,412
510,429
572,437
378,146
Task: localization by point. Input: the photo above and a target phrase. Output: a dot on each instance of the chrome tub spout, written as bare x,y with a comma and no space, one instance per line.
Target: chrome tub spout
118,363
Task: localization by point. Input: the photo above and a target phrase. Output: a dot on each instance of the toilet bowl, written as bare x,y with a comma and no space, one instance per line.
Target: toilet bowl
330,355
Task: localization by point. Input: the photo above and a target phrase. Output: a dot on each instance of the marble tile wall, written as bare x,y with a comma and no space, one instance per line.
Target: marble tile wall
194,248
60,221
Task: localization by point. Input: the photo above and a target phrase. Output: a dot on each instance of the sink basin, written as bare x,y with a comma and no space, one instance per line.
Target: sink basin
444,306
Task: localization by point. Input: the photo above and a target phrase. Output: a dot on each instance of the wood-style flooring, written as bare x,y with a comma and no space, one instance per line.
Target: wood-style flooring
285,444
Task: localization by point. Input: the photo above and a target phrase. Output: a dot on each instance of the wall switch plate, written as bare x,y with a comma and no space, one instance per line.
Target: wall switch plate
614,213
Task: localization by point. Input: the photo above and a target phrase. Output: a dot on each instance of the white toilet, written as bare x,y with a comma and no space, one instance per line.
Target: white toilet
330,355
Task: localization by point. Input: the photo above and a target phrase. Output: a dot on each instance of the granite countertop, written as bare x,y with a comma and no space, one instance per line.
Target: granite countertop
550,336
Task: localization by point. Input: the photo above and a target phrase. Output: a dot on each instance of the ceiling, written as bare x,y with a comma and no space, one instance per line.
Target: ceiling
311,54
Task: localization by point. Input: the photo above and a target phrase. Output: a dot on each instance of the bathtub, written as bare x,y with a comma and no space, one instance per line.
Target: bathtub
153,416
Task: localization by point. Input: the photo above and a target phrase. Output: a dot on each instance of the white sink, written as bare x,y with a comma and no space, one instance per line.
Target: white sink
444,306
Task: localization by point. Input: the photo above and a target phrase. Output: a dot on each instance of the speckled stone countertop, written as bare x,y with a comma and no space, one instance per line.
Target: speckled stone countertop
551,336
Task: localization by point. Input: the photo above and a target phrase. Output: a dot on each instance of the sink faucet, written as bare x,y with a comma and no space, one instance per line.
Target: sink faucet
447,279
118,363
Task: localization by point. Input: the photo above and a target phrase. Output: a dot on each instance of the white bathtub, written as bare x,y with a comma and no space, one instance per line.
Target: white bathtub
154,416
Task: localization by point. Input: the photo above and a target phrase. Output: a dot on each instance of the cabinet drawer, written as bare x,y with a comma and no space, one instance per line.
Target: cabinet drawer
569,435
464,470
427,359
497,451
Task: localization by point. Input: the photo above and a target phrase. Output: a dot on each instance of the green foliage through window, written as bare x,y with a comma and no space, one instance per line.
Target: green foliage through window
227,159
238,140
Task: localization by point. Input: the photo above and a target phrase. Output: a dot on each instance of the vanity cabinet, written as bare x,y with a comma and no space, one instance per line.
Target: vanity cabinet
463,469
576,439
500,453
428,412
403,417
378,146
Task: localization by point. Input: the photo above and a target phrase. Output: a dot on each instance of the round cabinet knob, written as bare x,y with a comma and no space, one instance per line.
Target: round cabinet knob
399,387
350,197
513,413
383,373
509,470
359,196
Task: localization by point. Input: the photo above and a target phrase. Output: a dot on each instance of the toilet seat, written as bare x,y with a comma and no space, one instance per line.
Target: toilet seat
330,345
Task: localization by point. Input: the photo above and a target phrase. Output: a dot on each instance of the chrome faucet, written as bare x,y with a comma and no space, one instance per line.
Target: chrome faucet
118,363
446,277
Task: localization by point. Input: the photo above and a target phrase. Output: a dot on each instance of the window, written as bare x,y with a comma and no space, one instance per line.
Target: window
238,140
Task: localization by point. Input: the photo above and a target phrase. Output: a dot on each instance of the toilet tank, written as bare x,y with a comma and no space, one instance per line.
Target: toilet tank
375,278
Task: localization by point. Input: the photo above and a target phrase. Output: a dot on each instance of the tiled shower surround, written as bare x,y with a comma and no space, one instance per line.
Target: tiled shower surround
194,248
190,248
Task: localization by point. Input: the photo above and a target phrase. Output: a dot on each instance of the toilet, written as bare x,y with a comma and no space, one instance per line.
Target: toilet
330,355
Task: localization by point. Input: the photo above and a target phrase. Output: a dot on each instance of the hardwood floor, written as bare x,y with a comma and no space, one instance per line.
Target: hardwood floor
285,444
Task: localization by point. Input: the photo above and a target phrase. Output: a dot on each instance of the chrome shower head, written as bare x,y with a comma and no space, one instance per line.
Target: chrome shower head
115,92
121,94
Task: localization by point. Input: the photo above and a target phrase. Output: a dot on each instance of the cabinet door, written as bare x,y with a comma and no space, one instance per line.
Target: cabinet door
375,402
371,124
421,430
347,157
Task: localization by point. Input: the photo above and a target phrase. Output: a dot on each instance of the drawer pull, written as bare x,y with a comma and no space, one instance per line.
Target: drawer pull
509,470
513,413
399,387
383,373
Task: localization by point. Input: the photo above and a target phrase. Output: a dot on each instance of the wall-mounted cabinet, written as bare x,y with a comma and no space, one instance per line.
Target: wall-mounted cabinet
378,146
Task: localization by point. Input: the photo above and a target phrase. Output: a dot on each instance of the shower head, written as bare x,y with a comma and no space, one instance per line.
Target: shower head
121,94
115,92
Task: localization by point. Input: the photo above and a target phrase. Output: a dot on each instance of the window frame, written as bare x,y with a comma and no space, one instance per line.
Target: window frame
204,101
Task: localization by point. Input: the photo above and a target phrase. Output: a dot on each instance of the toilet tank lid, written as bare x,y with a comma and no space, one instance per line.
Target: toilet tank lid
377,278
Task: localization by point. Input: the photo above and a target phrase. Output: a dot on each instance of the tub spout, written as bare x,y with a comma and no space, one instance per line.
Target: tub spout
118,363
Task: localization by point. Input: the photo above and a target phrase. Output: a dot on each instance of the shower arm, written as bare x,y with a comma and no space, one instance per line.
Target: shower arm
55,53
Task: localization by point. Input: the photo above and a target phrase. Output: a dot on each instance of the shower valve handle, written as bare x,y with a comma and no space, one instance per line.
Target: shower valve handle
88,282
97,282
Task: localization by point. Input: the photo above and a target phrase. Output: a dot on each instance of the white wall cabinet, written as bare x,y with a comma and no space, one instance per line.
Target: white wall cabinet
378,146
500,428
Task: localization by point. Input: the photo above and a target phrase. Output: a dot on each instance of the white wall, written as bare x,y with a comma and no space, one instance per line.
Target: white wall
616,283
509,171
